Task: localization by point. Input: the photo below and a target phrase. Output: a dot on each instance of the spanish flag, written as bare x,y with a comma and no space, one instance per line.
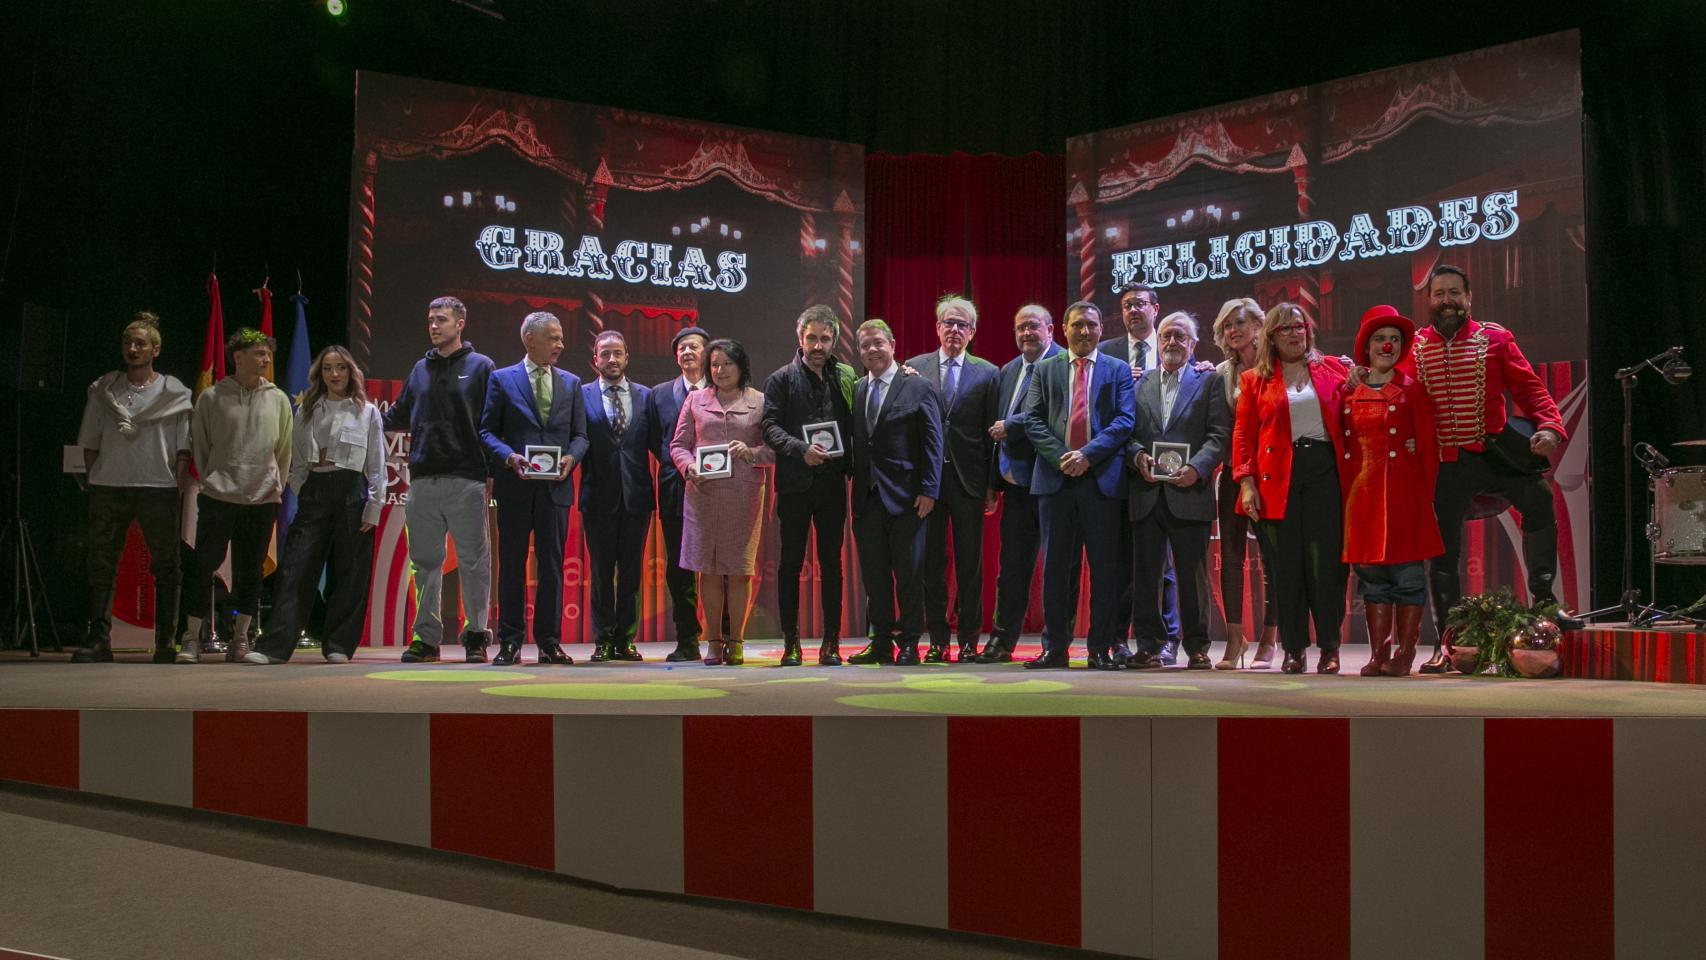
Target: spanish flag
212,367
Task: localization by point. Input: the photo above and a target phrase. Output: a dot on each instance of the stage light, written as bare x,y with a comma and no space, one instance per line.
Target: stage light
510,206
737,234
675,231
467,198
1235,215
1172,221
723,228
336,7
499,200
820,243
694,227
449,201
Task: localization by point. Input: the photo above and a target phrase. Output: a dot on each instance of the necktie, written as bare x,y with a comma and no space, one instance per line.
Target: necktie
873,405
542,392
1024,388
619,417
951,382
1078,422
1141,354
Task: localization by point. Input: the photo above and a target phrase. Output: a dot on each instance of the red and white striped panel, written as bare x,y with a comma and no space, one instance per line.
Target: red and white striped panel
1312,838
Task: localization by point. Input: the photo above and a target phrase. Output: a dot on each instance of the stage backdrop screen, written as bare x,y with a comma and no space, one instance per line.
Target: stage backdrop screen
610,219
1344,195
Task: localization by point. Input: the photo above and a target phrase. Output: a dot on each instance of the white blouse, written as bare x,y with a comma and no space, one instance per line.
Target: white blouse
1305,412
351,437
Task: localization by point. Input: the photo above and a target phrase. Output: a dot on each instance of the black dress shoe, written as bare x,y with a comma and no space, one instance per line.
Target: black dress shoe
164,654
600,652
1144,660
553,653
686,651
1199,661
877,651
1121,653
474,643
1329,662
906,654
1439,663
968,652
625,651
1293,663
938,653
790,652
1102,660
995,652
509,653
829,653
1048,660
1170,652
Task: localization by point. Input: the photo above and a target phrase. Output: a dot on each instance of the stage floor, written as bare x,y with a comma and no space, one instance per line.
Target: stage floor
377,683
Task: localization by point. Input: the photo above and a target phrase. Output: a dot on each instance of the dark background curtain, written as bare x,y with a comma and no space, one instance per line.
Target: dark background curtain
139,139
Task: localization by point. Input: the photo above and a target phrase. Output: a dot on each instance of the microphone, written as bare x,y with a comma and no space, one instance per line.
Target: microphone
1650,457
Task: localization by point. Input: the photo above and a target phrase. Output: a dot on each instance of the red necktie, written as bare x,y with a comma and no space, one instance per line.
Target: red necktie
1078,424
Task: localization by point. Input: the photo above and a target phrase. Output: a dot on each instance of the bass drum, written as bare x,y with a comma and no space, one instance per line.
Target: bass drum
1679,515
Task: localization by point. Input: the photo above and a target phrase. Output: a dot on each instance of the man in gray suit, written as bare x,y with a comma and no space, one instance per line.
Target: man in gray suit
966,386
1180,436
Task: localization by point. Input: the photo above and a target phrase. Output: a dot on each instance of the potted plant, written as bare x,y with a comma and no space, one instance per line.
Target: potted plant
1486,630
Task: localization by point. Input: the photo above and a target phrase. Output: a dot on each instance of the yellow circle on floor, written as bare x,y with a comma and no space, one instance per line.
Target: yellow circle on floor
608,691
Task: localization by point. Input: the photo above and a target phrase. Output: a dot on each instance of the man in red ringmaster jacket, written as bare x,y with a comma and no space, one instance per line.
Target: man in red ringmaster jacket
1468,368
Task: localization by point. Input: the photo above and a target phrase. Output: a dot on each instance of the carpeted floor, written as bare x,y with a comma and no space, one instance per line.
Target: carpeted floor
376,682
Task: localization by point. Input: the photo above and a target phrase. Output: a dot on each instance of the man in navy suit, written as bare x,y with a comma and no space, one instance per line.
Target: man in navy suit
617,497
1078,416
897,476
1172,505
966,386
1033,330
1139,347
663,407
533,404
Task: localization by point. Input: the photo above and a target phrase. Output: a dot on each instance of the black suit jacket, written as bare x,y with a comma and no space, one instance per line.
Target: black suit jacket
969,451
616,475
663,408
1201,419
510,422
794,397
902,458
1017,447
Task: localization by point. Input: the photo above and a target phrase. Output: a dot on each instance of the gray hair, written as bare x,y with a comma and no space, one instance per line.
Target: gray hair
1182,319
537,321
1036,310
818,313
957,303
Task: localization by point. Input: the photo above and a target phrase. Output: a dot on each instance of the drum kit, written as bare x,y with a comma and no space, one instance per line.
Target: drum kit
1678,525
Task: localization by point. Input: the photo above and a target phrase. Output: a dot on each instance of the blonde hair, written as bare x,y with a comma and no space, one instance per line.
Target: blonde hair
145,322
1229,311
317,385
1267,350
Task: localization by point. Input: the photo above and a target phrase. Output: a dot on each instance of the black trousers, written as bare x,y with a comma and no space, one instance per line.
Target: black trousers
1460,482
111,510
891,549
683,584
963,513
530,513
326,535
1234,547
245,530
1128,584
1187,540
822,508
1021,537
1079,522
616,550
1303,550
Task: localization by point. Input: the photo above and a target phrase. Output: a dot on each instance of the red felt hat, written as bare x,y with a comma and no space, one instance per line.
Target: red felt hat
1376,317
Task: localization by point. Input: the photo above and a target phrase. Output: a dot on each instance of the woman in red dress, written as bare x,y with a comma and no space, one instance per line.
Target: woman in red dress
1285,445
1387,473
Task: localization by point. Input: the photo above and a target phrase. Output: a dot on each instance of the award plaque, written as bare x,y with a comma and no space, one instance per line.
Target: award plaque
826,435
713,462
543,463
1170,459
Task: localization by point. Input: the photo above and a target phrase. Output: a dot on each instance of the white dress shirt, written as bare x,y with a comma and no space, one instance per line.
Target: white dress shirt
1151,353
1169,394
622,392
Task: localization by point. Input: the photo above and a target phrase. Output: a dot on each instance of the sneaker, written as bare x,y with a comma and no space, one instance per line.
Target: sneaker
237,650
420,652
336,658
190,651
260,658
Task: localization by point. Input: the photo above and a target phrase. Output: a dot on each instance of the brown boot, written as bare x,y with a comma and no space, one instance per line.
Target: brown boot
1379,616
1408,630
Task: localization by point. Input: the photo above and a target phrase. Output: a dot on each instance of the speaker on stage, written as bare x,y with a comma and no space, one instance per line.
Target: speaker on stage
35,362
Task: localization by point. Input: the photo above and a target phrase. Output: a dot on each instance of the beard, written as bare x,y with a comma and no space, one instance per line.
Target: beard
1448,318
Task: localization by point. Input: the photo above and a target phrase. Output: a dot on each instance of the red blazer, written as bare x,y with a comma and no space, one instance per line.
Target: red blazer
1386,471
1261,430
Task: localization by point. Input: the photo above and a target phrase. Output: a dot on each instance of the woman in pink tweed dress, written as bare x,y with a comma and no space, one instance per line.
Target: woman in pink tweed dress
720,523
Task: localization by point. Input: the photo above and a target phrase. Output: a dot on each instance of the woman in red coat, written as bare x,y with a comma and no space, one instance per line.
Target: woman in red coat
1285,445
1387,472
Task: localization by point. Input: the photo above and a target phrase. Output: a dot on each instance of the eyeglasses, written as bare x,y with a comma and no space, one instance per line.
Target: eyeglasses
1141,302
953,323
1292,328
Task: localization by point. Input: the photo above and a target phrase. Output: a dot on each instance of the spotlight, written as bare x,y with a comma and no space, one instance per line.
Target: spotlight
336,7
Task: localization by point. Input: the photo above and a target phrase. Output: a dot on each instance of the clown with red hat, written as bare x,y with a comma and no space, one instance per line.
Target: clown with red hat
1387,468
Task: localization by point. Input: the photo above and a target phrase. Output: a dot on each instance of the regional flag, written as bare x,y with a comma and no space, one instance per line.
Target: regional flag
295,384
212,368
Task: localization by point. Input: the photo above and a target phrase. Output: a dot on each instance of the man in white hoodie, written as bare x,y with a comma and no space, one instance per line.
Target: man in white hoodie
136,442
240,435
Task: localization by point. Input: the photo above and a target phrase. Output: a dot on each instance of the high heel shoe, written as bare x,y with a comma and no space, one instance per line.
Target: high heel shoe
733,655
1265,648
713,653
1236,644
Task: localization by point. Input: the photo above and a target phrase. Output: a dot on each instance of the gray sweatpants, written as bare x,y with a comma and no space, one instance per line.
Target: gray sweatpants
457,506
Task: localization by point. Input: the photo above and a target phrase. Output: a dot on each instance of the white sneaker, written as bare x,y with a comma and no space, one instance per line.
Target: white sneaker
189,651
260,658
336,658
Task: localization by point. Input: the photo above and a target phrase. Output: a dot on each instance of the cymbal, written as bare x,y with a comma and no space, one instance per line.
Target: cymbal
1691,443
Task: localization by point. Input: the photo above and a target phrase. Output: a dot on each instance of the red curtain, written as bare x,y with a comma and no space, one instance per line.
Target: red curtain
992,228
